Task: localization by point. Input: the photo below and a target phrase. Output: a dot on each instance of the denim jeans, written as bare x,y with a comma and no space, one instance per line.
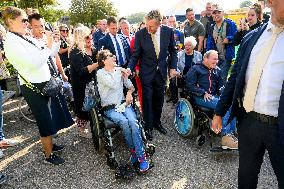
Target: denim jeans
225,66
1,116
229,128
131,130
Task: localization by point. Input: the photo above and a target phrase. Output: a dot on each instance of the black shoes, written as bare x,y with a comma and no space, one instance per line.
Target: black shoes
161,129
149,134
57,148
54,160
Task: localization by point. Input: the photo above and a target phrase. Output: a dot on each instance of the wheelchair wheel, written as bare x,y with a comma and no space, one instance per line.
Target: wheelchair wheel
184,118
96,130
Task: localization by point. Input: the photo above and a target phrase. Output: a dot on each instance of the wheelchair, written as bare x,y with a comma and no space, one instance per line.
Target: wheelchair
104,130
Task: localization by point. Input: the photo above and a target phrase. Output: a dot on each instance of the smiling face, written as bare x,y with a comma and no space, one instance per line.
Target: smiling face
218,16
212,60
19,25
38,28
89,41
110,60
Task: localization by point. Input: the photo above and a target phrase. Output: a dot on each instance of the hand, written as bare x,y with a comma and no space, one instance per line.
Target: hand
226,41
207,97
129,98
173,73
137,73
125,73
64,77
246,26
49,39
4,144
56,35
216,124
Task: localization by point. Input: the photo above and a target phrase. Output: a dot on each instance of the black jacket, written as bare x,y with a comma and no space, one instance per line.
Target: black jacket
144,50
241,34
201,79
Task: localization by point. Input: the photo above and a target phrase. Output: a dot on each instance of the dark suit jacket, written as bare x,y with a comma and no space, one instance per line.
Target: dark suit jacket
233,92
144,50
97,36
106,43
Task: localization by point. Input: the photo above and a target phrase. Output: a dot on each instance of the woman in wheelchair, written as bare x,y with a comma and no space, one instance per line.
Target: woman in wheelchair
204,82
117,108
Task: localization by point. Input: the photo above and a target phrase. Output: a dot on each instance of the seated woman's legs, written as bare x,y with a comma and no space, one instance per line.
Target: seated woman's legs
132,133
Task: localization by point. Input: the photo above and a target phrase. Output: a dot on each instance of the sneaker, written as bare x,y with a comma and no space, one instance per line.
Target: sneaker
230,142
3,178
11,142
144,164
54,159
57,148
1,154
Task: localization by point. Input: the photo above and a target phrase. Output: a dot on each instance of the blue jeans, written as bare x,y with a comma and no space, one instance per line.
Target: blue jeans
1,116
225,66
131,130
229,128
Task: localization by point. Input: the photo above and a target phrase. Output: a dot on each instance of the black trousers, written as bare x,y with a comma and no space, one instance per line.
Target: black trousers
173,88
254,138
153,99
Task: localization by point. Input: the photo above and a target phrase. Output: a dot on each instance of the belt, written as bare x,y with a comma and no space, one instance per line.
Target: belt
264,118
111,106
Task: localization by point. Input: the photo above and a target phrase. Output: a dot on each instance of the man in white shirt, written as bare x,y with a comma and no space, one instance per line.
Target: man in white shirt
256,91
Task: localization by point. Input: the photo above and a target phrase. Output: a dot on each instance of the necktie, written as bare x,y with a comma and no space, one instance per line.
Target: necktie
154,39
255,76
120,58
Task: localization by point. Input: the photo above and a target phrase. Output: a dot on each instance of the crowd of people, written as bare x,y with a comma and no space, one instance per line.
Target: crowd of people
195,56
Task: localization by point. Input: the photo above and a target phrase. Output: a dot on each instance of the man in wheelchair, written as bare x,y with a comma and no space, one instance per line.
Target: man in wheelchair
204,81
117,108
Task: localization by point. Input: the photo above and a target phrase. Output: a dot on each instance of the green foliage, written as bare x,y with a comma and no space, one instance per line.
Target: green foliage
7,3
246,4
89,11
136,18
36,3
52,15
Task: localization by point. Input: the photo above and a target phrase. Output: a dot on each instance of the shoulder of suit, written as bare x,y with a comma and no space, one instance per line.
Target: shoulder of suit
252,33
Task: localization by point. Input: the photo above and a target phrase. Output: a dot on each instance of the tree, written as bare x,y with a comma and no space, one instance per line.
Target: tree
52,15
136,18
245,4
4,3
36,3
89,11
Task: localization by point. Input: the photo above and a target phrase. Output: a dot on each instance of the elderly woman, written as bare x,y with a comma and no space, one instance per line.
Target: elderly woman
30,59
82,58
188,57
110,85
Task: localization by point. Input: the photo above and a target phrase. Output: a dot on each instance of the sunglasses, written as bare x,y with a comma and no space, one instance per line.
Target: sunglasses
65,31
24,20
216,12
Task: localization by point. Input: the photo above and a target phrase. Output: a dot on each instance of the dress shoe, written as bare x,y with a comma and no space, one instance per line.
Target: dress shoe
149,134
161,129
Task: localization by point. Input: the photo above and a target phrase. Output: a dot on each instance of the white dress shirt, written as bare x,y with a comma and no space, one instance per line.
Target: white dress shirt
120,45
270,85
29,60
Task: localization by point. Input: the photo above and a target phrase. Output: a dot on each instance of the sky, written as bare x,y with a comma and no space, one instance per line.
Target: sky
127,7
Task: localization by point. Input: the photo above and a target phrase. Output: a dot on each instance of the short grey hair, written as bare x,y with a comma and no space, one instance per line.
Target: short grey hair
154,14
190,40
208,53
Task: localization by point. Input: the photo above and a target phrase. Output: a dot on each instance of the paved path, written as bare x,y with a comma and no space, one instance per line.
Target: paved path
179,163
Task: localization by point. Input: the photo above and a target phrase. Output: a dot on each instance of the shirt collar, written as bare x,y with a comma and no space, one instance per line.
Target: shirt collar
270,26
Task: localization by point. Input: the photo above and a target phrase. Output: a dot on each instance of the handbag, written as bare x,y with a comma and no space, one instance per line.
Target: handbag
90,100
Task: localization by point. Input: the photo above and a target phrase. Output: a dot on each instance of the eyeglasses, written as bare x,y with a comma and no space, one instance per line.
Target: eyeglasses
216,12
64,31
24,20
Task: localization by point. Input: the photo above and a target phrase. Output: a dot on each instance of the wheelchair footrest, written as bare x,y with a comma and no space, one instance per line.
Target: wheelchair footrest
126,171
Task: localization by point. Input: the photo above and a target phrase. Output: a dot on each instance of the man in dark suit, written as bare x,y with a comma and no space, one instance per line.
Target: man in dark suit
154,45
255,90
100,33
115,43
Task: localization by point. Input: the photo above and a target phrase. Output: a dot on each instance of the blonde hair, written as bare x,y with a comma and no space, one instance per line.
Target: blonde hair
11,13
80,34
